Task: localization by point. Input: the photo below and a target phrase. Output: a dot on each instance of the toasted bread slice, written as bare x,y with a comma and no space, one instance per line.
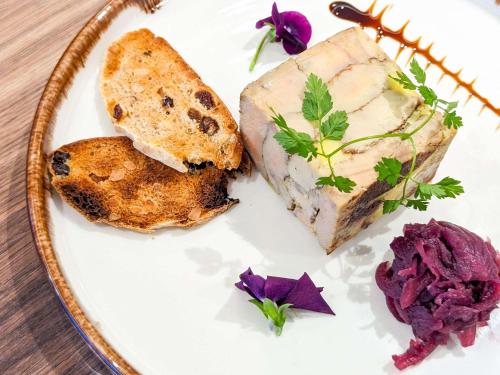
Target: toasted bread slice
108,181
155,98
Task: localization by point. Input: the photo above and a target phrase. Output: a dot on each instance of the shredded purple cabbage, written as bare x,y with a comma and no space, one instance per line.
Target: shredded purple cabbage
444,279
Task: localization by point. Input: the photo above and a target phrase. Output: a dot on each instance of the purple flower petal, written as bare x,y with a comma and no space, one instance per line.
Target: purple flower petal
275,14
240,285
278,22
292,28
253,284
276,19
298,25
292,44
277,288
296,32
261,23
305,295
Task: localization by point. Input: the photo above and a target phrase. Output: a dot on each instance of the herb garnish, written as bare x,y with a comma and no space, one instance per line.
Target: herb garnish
317,107
274,295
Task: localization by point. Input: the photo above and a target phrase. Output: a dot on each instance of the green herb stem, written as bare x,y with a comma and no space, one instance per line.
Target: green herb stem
412,167
256,56
357,140
403,136
418,128
381,136
328,158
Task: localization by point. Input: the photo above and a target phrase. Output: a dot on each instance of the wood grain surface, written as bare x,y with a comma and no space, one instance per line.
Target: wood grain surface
36,337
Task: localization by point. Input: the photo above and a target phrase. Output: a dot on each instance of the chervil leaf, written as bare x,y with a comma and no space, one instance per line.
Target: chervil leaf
292,141
317,100
389,170
446,188
417,71
428,94
335,126
325,181
344,184
418,204
404,81
451,187
451,120
426,191
451,106
279,120
296,143
391,205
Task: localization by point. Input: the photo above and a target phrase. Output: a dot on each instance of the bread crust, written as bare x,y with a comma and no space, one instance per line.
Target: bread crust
155,98
108,181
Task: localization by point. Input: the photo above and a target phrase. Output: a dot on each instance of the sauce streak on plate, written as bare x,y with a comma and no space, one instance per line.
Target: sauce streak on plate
367,19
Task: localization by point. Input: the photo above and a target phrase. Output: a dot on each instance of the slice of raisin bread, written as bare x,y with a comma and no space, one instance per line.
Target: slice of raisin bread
155,98
108,181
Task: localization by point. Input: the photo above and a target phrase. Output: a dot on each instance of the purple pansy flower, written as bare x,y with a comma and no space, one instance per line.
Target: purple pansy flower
291,28
274,295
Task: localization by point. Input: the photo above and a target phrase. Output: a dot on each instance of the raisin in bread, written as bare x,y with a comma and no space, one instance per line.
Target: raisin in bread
155,98
108,181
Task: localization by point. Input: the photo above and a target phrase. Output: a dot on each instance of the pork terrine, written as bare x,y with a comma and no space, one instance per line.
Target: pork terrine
356,71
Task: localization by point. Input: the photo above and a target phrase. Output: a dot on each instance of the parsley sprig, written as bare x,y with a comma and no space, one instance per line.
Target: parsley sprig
317,107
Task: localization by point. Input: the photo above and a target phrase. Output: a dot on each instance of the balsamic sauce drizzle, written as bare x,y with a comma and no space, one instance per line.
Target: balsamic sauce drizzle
367,19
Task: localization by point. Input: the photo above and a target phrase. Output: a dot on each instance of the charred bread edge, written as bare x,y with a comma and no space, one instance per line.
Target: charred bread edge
59,82
91,201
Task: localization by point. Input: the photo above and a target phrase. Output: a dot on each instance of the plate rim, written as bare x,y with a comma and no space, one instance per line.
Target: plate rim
59,82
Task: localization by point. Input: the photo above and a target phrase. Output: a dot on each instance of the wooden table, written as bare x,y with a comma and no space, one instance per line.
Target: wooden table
36,337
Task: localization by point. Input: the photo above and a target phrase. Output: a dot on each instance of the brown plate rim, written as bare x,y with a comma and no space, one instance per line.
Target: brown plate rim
58,84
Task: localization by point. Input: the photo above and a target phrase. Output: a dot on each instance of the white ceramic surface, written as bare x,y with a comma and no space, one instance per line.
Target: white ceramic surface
167,302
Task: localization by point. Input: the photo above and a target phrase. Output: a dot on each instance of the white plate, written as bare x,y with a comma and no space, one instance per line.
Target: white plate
166,302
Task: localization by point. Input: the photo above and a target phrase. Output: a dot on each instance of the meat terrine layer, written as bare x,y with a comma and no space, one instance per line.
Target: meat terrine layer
356,71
